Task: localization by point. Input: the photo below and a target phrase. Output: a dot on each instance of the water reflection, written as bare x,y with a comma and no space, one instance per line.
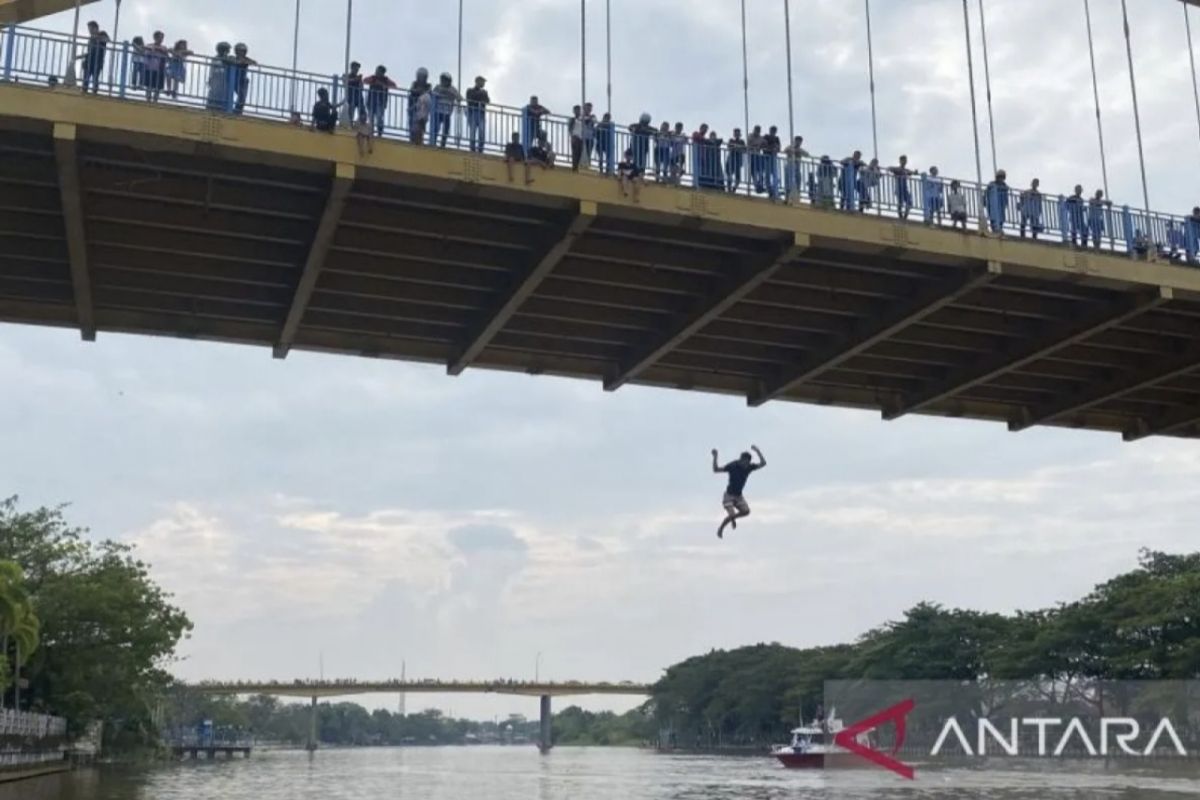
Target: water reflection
587,774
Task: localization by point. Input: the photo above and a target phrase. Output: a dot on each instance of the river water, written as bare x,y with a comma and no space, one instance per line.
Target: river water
498,773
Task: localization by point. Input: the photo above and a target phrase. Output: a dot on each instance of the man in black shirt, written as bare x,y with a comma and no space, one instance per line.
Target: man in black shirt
477,103
739,471
514,153
324,117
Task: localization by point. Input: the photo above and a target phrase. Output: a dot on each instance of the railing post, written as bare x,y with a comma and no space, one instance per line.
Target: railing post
231,78
124,69
1127,224
1063,223
10,49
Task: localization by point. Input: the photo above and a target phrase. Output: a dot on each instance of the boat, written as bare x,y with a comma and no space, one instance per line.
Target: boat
813,746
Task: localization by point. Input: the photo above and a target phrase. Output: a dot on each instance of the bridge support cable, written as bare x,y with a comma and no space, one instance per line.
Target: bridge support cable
1087,14
1182,362
318,251
1187,26
544,263
1044,341
1137,116
752,274
987,81
745,76
871,77
66,153
971,81
864,334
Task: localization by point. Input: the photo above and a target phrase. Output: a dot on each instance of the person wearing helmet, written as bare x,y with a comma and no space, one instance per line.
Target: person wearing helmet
642,132
220,91
445,99
418,89
241,68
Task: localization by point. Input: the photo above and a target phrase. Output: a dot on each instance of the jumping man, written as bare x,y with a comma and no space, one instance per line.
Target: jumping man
739,471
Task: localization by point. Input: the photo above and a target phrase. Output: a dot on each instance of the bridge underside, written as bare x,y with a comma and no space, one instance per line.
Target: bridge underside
124,218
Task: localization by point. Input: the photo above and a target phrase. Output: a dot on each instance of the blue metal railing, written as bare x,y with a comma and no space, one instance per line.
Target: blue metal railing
220,84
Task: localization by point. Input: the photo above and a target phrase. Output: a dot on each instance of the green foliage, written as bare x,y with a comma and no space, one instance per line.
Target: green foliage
1144,624
19,625
107,630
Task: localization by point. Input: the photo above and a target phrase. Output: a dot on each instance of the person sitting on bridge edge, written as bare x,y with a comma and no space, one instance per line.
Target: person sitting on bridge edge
324,115
514,153
542,152
629,176
739,471
1031,209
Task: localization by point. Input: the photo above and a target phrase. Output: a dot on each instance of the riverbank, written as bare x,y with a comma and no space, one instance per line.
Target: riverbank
25,773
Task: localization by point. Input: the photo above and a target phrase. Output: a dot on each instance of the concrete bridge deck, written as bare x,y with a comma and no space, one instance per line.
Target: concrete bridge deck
121,217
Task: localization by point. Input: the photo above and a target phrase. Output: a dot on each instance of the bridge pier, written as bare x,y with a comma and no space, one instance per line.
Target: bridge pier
546,736
312,727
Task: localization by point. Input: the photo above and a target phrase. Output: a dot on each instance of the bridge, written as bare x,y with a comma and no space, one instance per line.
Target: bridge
182,219
316,689
16,11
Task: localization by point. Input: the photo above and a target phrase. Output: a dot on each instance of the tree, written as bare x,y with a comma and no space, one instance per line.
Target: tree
107,630
19,624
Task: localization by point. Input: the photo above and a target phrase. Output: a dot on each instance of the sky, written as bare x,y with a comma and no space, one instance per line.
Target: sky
360,514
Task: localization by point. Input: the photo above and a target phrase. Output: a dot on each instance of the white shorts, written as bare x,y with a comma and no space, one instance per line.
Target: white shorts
735,502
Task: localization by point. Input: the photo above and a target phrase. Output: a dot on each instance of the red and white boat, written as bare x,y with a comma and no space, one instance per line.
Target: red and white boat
813,747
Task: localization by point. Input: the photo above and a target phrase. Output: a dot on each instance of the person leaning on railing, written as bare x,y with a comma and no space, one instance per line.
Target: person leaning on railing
219,86
93,57
477,103
1031,209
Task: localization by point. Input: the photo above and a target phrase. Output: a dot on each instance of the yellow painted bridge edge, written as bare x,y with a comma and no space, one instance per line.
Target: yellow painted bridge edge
243,139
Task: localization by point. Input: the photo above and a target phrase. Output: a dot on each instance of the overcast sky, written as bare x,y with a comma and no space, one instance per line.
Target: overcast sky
377,512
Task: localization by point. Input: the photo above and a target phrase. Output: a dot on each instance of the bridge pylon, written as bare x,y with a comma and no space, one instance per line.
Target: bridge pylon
546,732
311,746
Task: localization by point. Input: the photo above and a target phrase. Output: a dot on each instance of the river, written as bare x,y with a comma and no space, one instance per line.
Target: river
497,773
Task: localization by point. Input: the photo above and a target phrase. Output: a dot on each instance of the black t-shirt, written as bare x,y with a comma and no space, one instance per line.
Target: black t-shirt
771,143
739,472
477,98
514,151
629,169
324,117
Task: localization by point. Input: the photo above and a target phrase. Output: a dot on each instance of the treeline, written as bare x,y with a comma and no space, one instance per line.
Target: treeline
1142,625
103,631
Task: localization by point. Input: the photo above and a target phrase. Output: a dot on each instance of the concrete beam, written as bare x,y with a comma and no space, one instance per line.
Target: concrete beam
726,296
1049,340
863,335
15,12
1170,423
547,259
318,251
66,152
1183,361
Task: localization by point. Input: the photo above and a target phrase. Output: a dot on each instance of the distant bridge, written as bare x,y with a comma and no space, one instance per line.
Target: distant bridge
336,688
321,688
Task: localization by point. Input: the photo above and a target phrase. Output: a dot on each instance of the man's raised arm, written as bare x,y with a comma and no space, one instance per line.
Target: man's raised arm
762,462
715,467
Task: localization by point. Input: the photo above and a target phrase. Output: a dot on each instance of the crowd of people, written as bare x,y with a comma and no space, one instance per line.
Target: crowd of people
634,152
